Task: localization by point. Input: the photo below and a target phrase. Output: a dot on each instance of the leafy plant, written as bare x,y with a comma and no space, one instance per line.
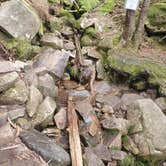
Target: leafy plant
88,4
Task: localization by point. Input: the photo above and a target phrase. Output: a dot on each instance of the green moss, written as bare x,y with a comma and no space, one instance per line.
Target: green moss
157,15
116,40
22,48
87,40
128,161
107,6
91,31
69,17
130,65
124,139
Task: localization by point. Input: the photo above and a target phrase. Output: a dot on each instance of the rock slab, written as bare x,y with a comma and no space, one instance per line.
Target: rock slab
54,60
45,147
18,19
153,120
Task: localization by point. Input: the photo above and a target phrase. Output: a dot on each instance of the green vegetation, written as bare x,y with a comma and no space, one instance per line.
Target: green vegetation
88,4
157,15
22,48
107,7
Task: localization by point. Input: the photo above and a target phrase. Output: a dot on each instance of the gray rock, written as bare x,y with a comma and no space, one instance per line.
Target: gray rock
110,100
35,98
153,136
116,124
118,155
114,141
113,163
7,80
128,99
47,86
16,95
60,118
18,19
54,60
69,46
20,65
16,155
102,152
7,134
79,95
24,123
91,52
106,42
67,31
7,66
45,112
103,87
85,113
51,39
90,159
100,70
45,147
31,78
161,102
12,111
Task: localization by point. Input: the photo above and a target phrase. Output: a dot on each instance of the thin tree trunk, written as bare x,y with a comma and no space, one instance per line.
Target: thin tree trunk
129,26
141,22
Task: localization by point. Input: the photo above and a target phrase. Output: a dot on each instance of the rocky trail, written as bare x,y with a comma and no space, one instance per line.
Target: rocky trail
70,95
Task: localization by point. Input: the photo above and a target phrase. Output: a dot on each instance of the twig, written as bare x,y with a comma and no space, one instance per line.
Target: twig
14,126
74,138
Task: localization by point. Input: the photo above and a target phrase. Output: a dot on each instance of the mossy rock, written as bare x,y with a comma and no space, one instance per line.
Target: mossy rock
128,66
156,22
22,48
87,40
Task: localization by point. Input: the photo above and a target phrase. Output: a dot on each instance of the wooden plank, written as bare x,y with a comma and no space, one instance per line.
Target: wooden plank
74,138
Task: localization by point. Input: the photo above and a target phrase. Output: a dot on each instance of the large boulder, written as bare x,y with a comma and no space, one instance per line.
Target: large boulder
18,19
54,60
126,65
152,139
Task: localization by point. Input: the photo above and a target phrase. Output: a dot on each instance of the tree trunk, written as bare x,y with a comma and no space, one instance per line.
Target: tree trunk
141,22
129,26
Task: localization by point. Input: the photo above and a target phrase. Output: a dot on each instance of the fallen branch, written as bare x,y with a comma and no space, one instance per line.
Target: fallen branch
79,57
74,138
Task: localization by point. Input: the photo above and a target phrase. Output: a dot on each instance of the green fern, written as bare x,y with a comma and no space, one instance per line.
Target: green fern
88,4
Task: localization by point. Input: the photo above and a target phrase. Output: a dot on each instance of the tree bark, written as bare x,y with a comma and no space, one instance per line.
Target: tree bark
141,22
129,26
